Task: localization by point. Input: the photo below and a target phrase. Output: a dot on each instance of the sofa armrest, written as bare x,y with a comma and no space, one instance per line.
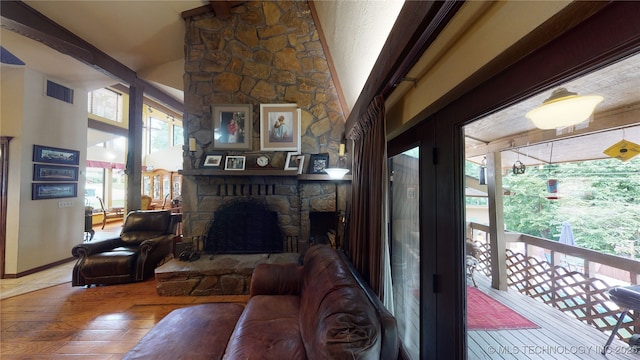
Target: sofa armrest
87,249
276,279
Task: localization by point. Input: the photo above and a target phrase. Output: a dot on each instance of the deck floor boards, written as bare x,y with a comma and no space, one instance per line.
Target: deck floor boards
559,336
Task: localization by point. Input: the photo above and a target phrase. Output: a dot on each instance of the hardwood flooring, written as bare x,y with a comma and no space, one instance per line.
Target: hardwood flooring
65,322
43,317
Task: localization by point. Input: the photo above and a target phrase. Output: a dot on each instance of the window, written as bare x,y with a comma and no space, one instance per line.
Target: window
405,248
158,134
161,131
178,135
105,103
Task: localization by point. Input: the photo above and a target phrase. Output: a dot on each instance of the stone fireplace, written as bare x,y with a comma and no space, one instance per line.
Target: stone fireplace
263,53
244,226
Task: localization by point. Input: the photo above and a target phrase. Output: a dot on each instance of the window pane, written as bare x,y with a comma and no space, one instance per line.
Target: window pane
158,134
105,103
94,187
405,249
178,135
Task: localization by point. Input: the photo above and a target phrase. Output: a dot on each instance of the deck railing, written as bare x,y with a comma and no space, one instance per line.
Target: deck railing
569,278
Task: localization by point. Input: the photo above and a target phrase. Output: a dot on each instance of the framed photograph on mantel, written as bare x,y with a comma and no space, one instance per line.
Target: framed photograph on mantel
232,126
318,163
280,127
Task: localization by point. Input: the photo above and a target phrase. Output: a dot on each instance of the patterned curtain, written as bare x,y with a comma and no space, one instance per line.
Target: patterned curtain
367,227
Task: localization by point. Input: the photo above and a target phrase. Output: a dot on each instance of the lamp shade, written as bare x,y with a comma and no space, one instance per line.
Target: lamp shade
336,173
563,108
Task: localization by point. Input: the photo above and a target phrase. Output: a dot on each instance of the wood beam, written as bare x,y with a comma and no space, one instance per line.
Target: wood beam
24,20
497,239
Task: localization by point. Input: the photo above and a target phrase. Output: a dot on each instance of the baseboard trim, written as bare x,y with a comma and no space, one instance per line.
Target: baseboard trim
38,269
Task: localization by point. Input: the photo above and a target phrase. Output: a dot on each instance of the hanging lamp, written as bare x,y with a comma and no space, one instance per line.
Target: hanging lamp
563,108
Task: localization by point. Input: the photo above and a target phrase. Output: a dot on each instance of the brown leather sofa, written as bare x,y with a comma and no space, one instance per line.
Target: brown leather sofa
146,239
320,310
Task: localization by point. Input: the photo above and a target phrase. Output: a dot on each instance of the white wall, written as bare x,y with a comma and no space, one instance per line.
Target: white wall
38,231
355,32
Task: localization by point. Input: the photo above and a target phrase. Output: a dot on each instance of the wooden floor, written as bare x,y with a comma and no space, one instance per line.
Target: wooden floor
43,317
559,336
65,322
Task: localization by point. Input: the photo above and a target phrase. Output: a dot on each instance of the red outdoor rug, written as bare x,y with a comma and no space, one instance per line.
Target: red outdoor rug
485,313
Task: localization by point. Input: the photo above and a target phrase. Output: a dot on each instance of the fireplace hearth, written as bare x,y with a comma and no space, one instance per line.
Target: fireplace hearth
244,226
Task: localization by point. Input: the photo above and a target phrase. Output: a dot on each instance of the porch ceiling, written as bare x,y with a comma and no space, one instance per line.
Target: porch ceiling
616,118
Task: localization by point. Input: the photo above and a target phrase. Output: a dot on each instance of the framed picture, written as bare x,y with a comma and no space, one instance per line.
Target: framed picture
234,162
232,126
292,162
280,127
300,159
213,160
318,163
40,191
43,172
47,154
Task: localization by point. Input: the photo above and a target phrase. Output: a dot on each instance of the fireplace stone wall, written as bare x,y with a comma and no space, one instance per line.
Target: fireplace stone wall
264,53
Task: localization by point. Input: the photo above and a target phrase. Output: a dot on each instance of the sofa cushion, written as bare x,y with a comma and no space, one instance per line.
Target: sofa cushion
119,261
194,332
268,329
337,320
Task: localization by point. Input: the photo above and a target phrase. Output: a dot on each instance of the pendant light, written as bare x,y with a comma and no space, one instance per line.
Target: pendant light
563,108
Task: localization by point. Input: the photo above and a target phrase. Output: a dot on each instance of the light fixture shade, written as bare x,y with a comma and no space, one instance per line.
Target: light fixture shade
336,173
563,109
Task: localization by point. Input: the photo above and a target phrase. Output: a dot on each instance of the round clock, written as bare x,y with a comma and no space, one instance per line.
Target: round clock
262,161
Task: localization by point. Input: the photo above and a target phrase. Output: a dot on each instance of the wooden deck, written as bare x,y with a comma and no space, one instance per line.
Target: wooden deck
559,337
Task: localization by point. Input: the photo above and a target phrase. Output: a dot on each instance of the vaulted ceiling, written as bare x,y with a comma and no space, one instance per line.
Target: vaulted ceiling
148,38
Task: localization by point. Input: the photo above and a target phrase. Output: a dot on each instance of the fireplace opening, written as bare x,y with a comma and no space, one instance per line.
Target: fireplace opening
322,227
244,227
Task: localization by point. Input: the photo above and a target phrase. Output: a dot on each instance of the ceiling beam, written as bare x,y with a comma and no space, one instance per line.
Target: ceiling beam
26,21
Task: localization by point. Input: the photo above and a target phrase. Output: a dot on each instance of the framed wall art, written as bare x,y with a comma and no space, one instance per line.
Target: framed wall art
280,127
234,162
318,163
47,154
40,191
42,172
232,126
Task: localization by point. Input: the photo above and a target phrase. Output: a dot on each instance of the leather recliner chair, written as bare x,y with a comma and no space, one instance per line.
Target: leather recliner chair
145,241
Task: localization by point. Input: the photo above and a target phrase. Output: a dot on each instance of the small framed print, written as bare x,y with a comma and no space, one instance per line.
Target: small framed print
280,127
234,162
212,160
42,172
47,154
40,191
292,162
318,163
232,126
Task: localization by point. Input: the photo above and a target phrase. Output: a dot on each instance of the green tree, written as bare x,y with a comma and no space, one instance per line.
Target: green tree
600,199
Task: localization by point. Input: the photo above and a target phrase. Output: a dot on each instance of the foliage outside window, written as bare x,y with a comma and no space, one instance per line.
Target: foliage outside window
600,199
106,104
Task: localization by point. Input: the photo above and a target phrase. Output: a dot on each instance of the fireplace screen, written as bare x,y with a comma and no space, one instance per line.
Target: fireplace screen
245,227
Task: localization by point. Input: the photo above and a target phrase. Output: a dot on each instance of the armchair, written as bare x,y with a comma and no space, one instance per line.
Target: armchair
146,239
